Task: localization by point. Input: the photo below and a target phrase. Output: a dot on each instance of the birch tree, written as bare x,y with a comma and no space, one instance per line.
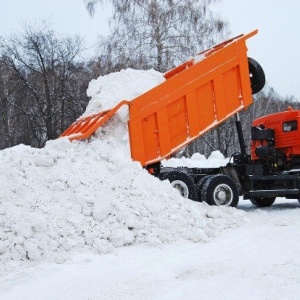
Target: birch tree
158,34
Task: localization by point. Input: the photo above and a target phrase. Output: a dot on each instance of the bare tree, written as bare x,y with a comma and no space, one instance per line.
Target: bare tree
8,90
44,68
158,33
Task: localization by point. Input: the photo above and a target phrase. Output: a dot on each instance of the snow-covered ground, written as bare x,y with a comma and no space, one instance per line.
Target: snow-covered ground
80,220
258,260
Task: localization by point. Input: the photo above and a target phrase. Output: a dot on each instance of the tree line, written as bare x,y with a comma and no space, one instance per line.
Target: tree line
42,86
44,76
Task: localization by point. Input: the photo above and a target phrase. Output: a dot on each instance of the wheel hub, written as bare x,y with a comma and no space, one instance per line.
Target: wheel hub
223,194
181,187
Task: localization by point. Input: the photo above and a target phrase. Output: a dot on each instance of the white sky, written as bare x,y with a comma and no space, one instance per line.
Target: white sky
275,47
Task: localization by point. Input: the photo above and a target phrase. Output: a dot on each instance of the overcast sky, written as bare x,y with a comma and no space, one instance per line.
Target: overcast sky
275,47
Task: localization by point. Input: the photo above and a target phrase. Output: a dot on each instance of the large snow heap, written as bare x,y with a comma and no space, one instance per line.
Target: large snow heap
89,196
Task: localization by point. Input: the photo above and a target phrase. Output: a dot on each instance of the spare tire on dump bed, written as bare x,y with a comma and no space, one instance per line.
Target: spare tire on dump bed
257,75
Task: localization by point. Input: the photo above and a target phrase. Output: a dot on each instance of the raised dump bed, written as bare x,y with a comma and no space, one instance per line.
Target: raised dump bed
196,96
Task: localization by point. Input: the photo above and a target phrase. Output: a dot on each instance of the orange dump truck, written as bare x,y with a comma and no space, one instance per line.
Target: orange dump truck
195,97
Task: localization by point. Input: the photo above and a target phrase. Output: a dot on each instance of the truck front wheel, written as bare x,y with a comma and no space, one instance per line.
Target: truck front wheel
262,202
182,182
220,190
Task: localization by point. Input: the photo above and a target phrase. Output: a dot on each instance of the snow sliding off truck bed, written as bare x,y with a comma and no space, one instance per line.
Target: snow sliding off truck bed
196,96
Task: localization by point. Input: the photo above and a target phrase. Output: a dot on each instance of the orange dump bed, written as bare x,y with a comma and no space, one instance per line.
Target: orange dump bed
196,96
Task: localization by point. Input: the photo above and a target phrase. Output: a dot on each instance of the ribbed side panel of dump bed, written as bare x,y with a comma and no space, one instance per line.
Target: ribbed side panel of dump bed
191,101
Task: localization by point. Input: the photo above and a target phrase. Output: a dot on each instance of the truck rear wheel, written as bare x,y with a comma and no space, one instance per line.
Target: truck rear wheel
257,75
220,190
199,187
182,182
262,202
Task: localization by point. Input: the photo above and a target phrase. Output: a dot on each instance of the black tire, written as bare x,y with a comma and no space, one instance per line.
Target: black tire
182,182
257,75
199,187
220,190
262,202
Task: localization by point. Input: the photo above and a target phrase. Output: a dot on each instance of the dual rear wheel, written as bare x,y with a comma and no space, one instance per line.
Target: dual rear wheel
219,190
213,189
181,181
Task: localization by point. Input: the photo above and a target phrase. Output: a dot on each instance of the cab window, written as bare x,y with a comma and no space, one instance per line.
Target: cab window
290,126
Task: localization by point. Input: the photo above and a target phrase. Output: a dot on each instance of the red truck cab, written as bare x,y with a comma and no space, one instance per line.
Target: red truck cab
284,126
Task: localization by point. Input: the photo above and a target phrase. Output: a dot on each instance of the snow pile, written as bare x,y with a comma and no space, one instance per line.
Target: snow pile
107,91
197,160
90,196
